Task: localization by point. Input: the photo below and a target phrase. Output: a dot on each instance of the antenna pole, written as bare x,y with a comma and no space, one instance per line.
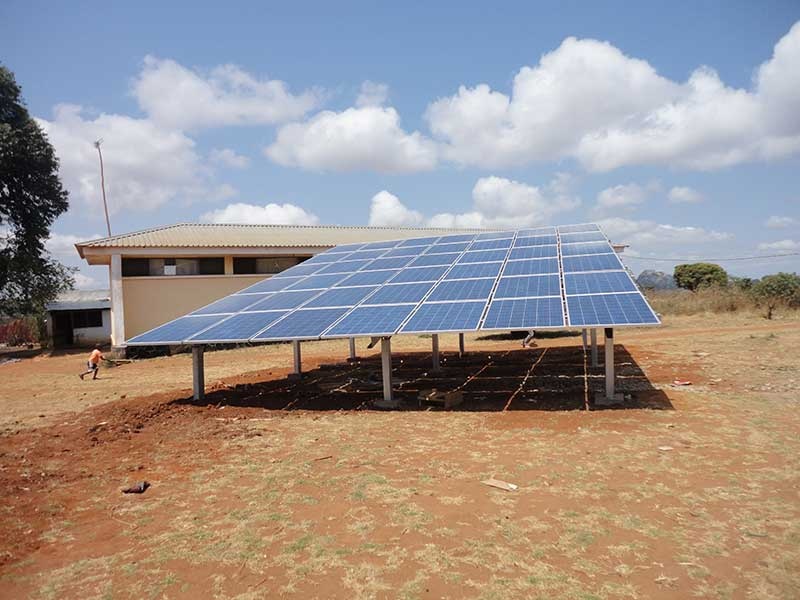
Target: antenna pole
103,185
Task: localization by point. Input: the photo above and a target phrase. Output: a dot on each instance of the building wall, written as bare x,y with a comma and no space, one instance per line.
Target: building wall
151,301
86,336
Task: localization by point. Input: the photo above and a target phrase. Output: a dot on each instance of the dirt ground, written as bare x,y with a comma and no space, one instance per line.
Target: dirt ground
279,488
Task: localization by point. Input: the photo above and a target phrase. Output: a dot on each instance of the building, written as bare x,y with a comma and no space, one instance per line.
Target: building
160,274
79,318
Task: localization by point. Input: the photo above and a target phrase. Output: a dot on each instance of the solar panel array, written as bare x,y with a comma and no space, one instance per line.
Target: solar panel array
545,278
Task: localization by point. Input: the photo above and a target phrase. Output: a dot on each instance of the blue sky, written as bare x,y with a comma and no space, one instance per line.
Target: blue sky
674,125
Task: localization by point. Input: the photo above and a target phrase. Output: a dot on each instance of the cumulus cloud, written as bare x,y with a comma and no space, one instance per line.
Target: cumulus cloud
182,98
145,165
372,94
684,195
777,222
782,245
357,139
587,100
646,236
496,202
63,244
229,158
267,214
84,282
620,198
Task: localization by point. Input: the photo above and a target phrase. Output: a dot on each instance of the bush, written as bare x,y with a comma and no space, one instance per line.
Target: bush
19,332
698,275
779,290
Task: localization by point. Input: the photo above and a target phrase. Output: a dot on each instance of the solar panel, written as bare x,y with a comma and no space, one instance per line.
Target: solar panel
463,289
528,279
610,310
445,316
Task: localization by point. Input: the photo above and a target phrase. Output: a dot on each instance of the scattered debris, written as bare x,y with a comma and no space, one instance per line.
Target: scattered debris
666,448
324,457
498,483
681,382
139,488
446,399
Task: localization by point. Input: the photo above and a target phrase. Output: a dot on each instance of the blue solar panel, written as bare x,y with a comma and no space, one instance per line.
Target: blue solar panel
368,278
345,248
536,231
302,324
388,263
447,248
594,283
403,252
318,282
175,332
396,294
341,296
463,289
425,241
534,252
527,313
273,284
525,287
324,257
494,235
230,304
450,239
531,267
430,260
348,266
372,320
445,316
283,300
419,274
491,244
475,270
239,328
593,262
366,254
591,236
609,310
586,248
578,228
300,270
542,240
483,256
380,245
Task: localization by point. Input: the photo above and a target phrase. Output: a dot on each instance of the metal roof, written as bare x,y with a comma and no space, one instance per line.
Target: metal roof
81,300
207,235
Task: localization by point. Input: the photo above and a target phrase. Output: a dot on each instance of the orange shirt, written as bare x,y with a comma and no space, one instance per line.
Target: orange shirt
95,357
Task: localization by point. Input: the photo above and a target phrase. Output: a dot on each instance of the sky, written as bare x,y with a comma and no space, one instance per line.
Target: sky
676,126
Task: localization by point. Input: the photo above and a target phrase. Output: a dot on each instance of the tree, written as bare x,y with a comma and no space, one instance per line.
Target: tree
781,289
31,197
697,275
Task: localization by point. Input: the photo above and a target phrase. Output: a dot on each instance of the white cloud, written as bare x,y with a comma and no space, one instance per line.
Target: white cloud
619,198
181,98
358,139
497,203
782,245
146,165
229,158
646,236
589,101
63,244
776,222
84,282
268,214
372,94
684,195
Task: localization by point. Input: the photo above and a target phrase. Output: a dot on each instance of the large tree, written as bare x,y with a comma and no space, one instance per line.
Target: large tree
697,275
31,197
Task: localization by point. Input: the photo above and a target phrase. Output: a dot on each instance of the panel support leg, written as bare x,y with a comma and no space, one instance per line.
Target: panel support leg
435,352
583,339
198,373
353,349
460,344
610,397
386,368
594,347
298,367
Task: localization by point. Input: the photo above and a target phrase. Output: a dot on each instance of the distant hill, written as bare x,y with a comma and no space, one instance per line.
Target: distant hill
650,279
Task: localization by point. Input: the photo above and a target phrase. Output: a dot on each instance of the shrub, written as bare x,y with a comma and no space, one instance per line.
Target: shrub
779,290
698,275
19,332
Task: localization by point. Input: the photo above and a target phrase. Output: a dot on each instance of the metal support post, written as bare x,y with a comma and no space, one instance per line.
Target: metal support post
352,348
386,368
297,359
594,347
460,344
198,373
435,351
583,339
610,397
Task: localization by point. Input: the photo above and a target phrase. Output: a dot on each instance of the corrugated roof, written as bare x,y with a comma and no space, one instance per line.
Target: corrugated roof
81,300
207,235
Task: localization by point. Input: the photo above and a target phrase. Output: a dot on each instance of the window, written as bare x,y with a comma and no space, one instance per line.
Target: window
143,267
87,318
135,267
246,265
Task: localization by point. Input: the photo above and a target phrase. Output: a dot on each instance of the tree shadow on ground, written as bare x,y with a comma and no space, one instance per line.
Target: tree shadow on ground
545,379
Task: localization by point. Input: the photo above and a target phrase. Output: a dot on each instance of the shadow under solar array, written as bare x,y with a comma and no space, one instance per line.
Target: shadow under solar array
544,278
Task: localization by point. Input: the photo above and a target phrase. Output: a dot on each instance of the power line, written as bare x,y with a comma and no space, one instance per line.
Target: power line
678,259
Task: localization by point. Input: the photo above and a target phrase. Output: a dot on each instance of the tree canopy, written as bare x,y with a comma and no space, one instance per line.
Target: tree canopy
781,289
697,275
31,198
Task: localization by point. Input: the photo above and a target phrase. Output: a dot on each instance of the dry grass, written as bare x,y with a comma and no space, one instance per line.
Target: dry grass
704,300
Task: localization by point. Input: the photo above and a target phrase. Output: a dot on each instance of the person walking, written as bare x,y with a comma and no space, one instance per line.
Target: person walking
93,364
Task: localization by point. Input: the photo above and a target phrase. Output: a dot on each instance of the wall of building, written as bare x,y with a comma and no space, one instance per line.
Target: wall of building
151,301
86,336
